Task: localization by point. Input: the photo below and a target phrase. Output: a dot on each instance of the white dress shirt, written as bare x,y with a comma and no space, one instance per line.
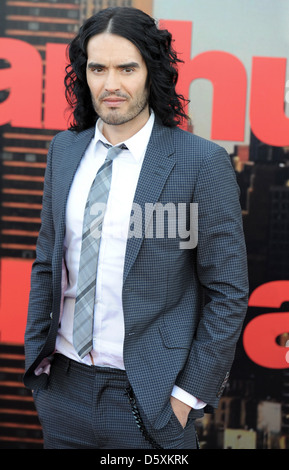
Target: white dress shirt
108,336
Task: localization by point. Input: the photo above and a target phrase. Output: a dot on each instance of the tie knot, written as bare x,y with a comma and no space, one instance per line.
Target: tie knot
113,151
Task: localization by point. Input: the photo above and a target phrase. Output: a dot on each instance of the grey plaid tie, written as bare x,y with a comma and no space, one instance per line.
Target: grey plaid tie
92,225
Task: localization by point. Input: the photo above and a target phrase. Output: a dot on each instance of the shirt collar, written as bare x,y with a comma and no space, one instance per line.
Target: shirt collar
135,144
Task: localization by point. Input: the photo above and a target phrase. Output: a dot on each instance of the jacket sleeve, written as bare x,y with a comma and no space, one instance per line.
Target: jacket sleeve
222,272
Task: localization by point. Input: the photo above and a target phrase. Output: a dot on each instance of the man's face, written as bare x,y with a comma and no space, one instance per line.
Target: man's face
117,78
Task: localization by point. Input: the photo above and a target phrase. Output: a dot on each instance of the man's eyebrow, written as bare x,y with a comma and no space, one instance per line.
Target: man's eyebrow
91,65
132,65
94,65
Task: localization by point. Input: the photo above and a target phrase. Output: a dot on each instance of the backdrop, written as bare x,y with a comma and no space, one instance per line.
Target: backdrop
235,74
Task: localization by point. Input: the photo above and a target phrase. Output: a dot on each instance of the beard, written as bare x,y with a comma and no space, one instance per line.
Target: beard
114,116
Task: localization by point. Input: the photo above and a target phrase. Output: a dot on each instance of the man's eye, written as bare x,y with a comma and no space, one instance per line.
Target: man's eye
96,69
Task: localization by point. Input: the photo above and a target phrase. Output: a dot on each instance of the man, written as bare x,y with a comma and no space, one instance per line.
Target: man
155,349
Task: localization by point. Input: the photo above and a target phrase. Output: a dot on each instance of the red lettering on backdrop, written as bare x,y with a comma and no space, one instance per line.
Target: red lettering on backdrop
268,120
260,335
55,102
227,74
23,79
23,108
225,71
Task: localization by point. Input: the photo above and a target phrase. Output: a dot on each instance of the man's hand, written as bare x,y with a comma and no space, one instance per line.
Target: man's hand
181,410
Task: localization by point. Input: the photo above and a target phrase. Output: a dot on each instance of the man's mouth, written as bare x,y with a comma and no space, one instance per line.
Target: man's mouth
113,102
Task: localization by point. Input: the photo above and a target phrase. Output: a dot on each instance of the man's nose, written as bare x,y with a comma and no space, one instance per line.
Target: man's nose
112,82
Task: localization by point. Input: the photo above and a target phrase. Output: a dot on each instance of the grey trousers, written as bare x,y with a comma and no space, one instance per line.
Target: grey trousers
89,407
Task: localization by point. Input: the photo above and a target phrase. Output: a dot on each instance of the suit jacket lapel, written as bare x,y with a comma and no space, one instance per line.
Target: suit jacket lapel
68,164
157,165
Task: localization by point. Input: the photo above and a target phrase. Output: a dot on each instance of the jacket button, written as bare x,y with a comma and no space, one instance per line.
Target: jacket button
51,315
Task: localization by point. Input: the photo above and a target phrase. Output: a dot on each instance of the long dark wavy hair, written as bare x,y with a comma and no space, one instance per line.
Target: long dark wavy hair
155,46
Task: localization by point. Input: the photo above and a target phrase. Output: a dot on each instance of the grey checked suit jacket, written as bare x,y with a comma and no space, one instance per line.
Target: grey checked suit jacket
183,309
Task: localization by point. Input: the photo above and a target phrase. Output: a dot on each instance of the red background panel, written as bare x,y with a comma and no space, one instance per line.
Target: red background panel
14,293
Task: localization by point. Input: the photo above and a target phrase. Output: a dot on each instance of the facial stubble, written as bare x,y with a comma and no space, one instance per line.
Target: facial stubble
114,117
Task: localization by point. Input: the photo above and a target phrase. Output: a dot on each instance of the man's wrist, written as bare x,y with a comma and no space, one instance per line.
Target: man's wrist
181,410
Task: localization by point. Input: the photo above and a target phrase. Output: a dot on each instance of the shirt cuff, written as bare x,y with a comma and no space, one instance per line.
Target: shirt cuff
44,367
187,398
